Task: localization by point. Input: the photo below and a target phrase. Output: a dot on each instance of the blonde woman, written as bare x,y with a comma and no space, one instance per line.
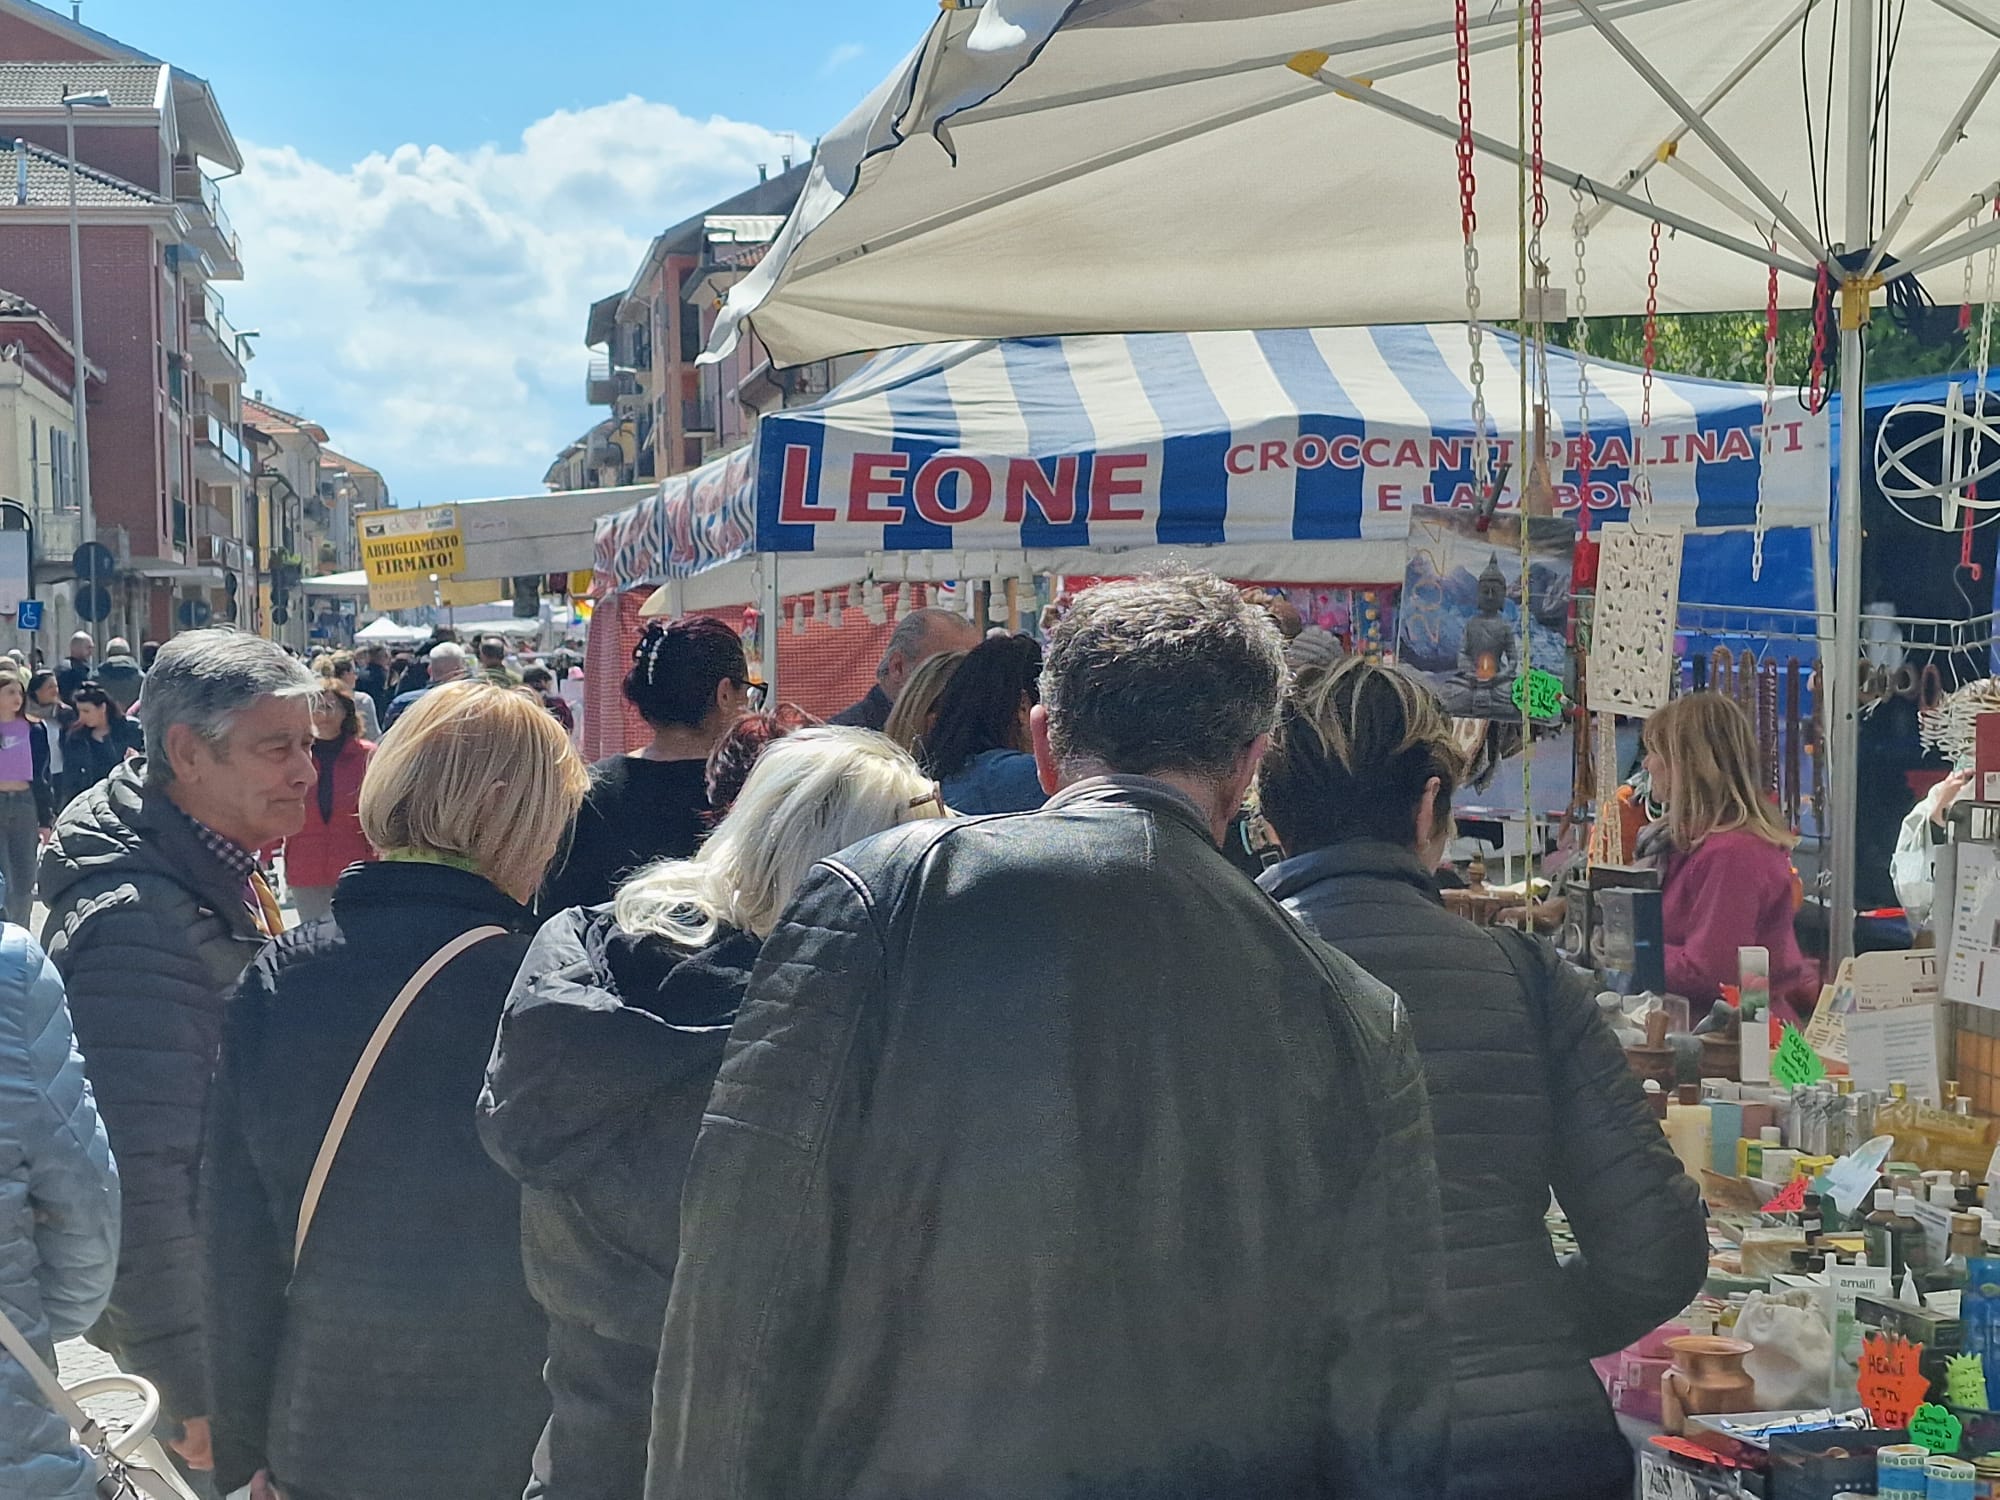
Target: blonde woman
916,706
612,1039
1725,858
400,1358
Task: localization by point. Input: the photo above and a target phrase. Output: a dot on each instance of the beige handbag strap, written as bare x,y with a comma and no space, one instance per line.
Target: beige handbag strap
343,1112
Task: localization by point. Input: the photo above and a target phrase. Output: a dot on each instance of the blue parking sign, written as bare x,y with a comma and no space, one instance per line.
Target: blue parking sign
28,614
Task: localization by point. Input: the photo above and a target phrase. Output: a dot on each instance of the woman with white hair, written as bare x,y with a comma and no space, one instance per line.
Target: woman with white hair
611,1041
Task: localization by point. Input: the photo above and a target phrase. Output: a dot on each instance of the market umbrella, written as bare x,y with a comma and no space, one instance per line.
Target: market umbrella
1128,165
1062,166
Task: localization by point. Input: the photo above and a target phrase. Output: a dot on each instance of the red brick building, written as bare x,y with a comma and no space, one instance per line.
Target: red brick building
168,468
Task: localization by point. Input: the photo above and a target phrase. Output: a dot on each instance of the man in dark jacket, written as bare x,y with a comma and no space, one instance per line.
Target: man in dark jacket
373,678
156,905
120,674
918,636
1528,1087
1050,1158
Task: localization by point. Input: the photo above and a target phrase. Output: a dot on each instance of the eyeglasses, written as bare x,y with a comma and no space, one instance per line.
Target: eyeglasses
935,794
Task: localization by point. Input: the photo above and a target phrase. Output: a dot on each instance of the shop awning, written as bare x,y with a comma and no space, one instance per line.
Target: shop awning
1207,439
1094,447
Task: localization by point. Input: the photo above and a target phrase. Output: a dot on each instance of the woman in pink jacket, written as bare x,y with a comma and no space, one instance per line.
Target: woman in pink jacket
1725,868
332,838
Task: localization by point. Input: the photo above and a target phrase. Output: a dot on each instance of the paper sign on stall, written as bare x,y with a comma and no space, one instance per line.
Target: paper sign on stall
1891,981
1901,1045
1972,966
1890,1383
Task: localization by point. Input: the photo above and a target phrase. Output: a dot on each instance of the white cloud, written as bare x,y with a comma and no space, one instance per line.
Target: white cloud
840,57
427,306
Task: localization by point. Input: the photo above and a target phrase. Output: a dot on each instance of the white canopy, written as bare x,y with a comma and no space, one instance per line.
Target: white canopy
1064,166
386,632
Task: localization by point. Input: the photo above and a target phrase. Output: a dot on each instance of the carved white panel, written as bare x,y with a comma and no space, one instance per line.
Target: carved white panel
1632,634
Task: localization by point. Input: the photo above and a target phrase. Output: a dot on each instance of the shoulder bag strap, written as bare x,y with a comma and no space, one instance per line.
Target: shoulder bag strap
343,1112
16,1344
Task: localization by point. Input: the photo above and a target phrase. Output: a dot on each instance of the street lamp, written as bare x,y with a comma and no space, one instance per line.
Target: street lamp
72,102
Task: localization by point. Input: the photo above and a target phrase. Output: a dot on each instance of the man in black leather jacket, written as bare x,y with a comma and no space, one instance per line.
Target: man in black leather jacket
1050,1160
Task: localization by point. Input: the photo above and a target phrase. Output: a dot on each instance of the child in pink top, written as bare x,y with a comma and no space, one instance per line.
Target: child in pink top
1726,873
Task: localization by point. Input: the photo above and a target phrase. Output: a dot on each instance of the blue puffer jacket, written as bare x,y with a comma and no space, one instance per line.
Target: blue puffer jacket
58,1215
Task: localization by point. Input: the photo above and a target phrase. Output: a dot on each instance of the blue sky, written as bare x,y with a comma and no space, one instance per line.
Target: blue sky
436,189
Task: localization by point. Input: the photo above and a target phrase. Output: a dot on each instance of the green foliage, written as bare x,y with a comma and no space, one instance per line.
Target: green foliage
1730,346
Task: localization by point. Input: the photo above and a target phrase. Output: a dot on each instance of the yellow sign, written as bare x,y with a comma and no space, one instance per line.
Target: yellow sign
421,593
400,546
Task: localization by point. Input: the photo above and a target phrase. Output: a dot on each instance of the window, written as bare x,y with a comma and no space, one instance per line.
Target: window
34,464
59,469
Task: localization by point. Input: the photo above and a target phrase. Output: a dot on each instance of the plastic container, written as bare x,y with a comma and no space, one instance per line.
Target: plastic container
1947,1478
1899,1469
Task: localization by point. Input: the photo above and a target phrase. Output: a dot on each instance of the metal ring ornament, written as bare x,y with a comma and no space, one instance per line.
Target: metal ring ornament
1900,483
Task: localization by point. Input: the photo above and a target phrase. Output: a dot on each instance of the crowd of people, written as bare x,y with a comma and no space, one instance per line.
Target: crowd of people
921,1103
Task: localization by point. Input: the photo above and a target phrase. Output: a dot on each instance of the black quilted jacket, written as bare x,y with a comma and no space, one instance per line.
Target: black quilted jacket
149,932
402,1360
1050,1160
1530,1093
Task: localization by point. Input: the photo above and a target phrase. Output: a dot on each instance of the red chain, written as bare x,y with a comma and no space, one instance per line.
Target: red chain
1468,212
1822,293
1771,307
1535,104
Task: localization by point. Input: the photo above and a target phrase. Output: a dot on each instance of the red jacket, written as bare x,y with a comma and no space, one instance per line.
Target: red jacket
317,853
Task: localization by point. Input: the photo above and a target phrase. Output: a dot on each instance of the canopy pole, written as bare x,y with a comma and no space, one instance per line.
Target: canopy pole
1720,92
1314,65
773,608
1692,118
1844,675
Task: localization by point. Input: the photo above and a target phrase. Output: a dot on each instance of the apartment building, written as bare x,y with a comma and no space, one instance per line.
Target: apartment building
170,474
38,457
667,413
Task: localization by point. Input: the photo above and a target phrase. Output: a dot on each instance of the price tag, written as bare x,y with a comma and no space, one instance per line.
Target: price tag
1538,694
1790,1199
1935,1428
1965,1382
1795,1063
1891,1386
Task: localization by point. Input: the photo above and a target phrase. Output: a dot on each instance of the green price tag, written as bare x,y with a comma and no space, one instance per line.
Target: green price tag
1936,1429
1795,1063
1965,1382
1538,694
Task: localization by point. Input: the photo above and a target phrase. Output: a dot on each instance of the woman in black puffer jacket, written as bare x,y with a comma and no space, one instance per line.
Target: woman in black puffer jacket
1529,1092
606,1058
400,1359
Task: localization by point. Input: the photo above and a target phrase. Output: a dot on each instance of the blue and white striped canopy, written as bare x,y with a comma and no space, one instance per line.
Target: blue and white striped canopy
1296,435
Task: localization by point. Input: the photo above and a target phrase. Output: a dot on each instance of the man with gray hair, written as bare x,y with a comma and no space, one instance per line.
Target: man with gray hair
918,636
156,905
447,664
1098,1175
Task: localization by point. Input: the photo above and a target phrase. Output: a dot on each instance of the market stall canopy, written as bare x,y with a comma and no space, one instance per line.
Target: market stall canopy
1285,455
386,632
1053,166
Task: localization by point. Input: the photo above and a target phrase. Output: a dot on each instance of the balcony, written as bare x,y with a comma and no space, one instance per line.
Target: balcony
58,533
606,385
217,351
698,416
220,455
210,229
